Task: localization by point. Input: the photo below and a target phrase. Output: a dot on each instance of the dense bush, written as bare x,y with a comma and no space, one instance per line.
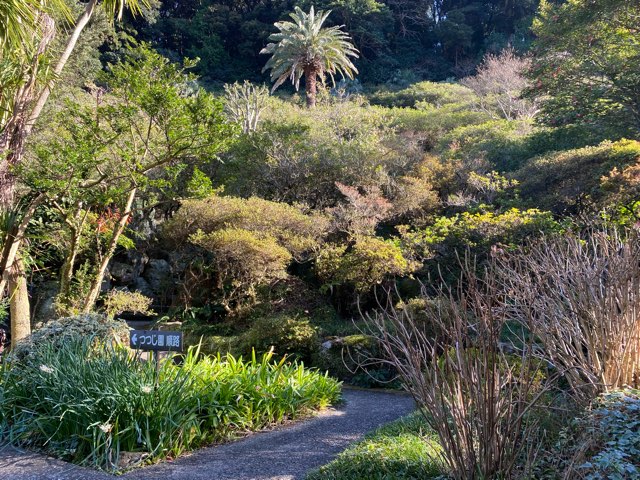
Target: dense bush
245,243
60,331
242,260
284,334
405,449
363,265
294,230
477,231
89,405
576,179
425,125
431,93
496,143
298,155
602,442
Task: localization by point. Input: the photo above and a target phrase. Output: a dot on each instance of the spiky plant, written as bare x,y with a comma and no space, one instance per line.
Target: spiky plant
303,48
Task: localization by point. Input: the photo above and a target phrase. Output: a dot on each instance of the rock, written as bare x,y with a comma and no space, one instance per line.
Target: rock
122,273
158,275
142,286
44,297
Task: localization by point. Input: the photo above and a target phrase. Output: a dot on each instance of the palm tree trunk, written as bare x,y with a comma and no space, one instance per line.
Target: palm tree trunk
311,86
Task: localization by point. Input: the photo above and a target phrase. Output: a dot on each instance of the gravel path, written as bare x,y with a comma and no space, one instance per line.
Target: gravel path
286,453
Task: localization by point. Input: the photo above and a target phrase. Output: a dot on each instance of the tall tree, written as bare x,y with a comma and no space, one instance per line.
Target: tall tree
304,48
27,102
586,66
106,159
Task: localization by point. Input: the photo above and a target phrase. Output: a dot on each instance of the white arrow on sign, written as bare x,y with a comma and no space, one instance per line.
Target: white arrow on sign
134,339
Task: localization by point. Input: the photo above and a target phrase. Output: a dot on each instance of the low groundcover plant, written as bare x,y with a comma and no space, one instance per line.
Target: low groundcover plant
88,404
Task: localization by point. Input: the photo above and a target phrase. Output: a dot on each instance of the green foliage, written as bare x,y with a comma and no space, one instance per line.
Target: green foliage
586,63
88,404
294,230
602,442
305,48
243,260
424,95
405,449
200,185
58,332
363,265
249,242
116,302
297,155
477,231
577,179
104,156
496,142
291,335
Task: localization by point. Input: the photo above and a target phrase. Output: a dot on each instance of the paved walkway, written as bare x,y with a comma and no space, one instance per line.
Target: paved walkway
286,453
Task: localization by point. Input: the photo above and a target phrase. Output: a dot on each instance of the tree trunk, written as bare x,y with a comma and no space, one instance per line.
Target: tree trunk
311,86
19,309
81,23
13,240
94,291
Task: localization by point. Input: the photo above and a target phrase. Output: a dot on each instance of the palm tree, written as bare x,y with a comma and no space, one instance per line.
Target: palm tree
303,48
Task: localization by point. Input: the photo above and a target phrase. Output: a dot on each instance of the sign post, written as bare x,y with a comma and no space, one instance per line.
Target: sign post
154,342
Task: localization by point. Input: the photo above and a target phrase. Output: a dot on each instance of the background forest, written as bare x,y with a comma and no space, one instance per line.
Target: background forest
163,180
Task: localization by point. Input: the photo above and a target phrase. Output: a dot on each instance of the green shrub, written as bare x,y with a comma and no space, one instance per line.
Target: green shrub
478,231
58,332
435,94
428,124
116,302
88,404
603,442
290,226
405,449
576,178
298,154
496,142
286,334
243,260
245,243
365,264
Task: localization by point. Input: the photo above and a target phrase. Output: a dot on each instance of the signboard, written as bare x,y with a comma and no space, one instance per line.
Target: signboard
155,340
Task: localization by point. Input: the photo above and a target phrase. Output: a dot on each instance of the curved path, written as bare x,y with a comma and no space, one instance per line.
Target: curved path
285,453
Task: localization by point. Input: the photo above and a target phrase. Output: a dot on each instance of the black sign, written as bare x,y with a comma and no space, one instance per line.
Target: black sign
156,340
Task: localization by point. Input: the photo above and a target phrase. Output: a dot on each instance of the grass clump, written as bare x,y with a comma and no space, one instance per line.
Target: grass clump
404,449
89,404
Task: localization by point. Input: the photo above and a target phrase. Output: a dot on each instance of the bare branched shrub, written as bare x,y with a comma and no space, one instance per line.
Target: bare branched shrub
361,212
474,394
499,83
244,103
581,298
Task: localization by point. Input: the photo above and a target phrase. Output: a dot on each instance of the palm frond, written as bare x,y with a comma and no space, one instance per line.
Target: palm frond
304,43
